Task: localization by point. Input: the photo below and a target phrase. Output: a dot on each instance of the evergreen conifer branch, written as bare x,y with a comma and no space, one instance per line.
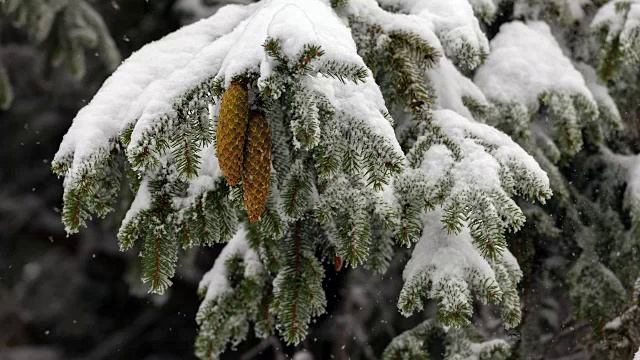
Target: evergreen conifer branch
298,294
341,185
232,294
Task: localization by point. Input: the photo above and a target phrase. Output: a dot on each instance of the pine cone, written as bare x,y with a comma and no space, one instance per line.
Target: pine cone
232,125
257,166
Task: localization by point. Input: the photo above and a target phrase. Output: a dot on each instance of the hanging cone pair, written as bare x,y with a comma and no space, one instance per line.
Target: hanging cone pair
244,148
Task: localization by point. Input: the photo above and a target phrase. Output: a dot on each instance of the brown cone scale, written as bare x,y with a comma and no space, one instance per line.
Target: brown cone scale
232,125
257,166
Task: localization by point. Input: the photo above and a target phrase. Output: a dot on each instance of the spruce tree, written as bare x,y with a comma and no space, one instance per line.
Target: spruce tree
306,133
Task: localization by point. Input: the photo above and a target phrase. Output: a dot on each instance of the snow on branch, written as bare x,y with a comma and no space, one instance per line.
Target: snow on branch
456,92
99,124
610,119
463,174
335,179
448,267
454,23
471,170
618,24
370,12
526,72
231,294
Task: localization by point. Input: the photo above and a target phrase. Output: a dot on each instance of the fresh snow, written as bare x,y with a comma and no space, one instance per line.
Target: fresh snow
142,201
296,23
359,101
526,61
453,21
451,86
437,163
205,180
598,90
390,22
445,257
215,281
460,129
106,115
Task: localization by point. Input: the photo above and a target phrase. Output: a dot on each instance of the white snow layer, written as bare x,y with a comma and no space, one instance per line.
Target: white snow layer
215,280
451,86
360,101
142,201
113,106
444,255
598,89
478,169
390,22
637,355
525,61
453,21
295,23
